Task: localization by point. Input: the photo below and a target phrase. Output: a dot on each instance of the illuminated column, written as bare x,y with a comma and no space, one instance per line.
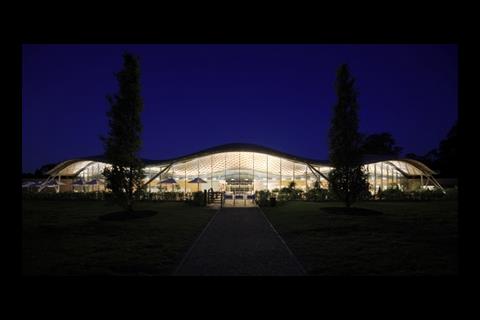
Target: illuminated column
319,178
372,181
394,176
390,175
306,184
267,172
387,169
375,178
211,171
253,170
185,182
198,173
369,175
98,176
293,172
392,179
381,174
280,173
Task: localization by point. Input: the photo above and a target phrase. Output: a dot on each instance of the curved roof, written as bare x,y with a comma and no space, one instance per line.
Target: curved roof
79,162
373,158
233,147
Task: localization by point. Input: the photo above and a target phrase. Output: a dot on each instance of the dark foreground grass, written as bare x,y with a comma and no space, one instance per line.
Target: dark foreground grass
68,238
408,238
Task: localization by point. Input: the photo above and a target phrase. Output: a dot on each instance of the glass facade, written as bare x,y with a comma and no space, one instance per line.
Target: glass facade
244,172
236,172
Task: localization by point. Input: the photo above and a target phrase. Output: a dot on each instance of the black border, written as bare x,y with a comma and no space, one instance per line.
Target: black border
339,289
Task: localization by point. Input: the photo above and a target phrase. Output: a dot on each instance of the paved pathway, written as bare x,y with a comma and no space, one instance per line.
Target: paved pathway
240,241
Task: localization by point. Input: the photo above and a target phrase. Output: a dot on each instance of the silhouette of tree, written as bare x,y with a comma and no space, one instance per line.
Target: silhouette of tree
380,143
447,154
40,172
444,158
125,177
347,180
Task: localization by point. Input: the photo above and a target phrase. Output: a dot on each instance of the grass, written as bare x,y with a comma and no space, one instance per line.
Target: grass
68,238
408,238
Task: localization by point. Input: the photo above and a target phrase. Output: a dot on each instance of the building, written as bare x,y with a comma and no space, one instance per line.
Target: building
245,168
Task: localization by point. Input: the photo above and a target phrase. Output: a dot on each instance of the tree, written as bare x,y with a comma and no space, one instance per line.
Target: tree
40,172
347,180
447,154
444,158
380,143
430,159
291,185
125,177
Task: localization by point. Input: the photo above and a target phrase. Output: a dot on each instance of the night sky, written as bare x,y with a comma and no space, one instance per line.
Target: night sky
200,96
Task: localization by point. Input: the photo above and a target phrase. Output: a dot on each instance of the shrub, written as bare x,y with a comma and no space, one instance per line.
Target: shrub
197,200
297,194
427,195
365,195
316,194
169,196
284,195
263,198
288,194
393,193
451,194
332,196
65,195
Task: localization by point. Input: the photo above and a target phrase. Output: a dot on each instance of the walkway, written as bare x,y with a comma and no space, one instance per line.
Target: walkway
240,242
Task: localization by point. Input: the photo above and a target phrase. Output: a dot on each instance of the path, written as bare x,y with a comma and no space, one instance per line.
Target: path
240,241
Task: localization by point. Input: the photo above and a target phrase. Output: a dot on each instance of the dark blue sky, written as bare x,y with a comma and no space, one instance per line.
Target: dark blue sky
199,96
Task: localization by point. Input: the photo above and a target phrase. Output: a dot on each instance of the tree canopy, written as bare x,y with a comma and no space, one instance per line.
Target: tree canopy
444,158
347,180
125,177
40,172
380,143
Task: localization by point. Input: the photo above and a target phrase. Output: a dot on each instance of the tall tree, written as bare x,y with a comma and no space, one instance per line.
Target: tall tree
447,154
444,158
347,180
380,143
125,177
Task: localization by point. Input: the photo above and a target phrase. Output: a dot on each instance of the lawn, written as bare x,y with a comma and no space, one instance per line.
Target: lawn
67,238
409,238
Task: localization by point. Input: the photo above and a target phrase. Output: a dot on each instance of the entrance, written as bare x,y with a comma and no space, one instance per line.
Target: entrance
239,193
237,186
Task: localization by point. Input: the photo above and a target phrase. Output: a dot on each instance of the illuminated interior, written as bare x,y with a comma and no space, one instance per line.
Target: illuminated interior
244,169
